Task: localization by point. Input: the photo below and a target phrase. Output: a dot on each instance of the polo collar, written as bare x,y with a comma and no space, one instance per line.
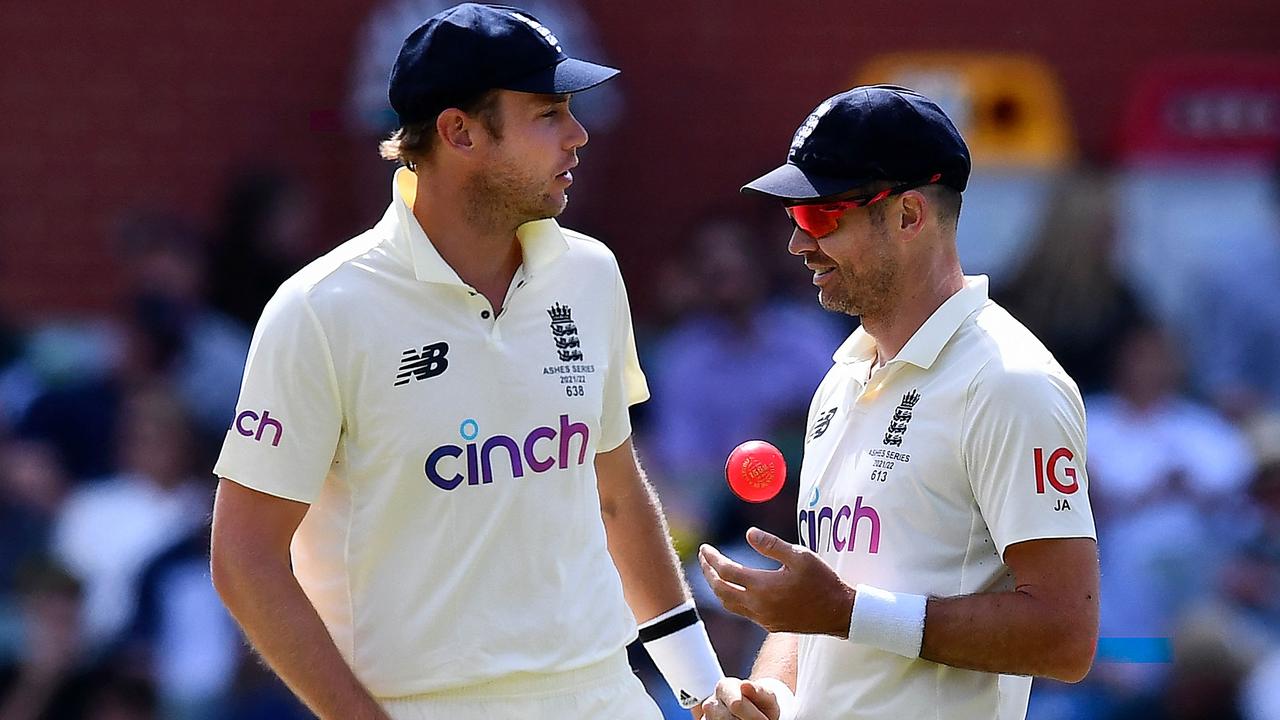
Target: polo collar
541,241
926,344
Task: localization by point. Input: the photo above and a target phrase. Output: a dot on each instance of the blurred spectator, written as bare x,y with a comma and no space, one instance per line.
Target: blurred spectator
120,697
50,680
1236,326
1204,681
1068,293
1251,582
167,333
739,367
76,371
268,225
199,349
108,531
1148,441
190,642
1260,695
259,695
1165,477
18,385
31,488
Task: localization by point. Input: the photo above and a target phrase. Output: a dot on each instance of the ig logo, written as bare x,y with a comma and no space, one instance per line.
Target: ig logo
1049,468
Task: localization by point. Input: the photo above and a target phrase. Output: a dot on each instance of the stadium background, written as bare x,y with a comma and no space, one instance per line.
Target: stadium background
145,141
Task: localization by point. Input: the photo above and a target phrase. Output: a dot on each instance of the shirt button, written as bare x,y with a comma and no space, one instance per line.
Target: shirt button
484,314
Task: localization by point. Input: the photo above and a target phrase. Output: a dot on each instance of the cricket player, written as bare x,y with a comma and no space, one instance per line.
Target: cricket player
429,505
947,545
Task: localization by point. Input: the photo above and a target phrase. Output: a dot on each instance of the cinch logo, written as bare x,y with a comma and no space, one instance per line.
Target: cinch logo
828,528
478,466
263,422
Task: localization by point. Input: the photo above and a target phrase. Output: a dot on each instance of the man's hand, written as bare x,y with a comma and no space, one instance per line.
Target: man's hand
803,596
741,700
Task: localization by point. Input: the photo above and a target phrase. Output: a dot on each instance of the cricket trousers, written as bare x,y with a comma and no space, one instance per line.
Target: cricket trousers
607,690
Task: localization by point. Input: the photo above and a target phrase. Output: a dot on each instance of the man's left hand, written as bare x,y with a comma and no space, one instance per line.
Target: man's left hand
805,595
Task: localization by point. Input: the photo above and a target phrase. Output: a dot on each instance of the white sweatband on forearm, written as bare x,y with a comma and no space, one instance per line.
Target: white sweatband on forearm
888,620
786,698
678,644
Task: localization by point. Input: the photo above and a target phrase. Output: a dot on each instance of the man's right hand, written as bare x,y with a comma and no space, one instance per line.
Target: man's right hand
741,700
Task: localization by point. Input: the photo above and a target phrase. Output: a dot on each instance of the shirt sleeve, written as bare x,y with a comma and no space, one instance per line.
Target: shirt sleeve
625,383
289,416
1024,451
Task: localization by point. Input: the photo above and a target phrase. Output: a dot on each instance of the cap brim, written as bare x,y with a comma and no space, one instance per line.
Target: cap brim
567,76
792,184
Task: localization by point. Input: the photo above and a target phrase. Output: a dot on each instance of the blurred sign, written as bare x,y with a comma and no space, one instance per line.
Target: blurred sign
1009,108
1216,106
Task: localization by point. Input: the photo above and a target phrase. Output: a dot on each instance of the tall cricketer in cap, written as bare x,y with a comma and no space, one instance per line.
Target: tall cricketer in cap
445,517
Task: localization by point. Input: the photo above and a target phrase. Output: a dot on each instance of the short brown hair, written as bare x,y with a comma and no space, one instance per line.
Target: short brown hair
412,143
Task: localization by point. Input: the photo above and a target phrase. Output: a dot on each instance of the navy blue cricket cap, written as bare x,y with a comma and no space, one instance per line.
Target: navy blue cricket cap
864,135
470,48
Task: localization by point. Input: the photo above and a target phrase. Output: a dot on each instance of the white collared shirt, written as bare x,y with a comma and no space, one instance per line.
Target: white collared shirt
454,534
917,476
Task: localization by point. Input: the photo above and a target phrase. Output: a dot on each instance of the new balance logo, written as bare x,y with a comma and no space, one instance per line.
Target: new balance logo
428,362
821,424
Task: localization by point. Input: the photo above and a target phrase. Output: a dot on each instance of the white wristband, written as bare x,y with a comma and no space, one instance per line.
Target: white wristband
786,698
678,644
888,620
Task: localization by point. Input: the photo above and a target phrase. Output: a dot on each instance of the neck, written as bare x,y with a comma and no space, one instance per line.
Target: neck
480,247
917,298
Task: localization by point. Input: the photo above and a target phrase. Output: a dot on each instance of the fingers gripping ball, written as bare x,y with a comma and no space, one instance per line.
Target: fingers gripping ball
756,471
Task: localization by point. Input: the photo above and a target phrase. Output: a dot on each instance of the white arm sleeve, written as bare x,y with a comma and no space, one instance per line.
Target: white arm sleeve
284,435
625,383
1024,450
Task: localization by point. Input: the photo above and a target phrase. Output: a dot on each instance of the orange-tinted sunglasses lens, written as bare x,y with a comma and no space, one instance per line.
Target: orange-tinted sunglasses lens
819,220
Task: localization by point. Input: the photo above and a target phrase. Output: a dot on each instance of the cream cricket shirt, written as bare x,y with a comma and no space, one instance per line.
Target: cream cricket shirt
454,534
916,477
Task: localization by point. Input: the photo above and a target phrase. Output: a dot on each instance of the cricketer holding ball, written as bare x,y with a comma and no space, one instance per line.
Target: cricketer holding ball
434,418
948,550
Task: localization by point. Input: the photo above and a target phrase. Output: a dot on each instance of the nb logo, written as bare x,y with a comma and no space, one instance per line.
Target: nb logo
821,424
428,362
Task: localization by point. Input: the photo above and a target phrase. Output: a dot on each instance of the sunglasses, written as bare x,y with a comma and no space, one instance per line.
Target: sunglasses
819,220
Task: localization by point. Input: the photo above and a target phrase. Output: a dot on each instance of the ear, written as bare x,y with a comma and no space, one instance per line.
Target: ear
454,128
914,208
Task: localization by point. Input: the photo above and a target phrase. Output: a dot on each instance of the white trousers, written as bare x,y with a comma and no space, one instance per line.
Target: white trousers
607,690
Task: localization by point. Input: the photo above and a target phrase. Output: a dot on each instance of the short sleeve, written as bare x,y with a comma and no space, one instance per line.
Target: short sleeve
1024,451
285,432
625,383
